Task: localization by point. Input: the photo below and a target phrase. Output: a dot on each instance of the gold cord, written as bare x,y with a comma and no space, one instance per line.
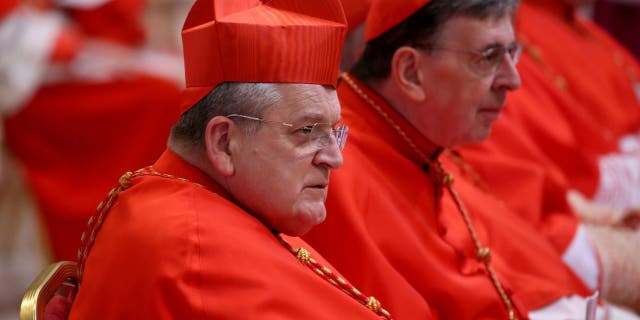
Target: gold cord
302,254
483,254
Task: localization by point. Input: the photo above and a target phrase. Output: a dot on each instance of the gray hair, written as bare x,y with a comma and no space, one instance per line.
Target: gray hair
422,29
251,99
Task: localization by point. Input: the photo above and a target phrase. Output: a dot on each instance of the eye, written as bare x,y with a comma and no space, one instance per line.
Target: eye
514,52
305,129
492,55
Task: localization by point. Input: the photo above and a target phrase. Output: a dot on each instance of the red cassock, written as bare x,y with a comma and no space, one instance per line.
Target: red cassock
576,101
6,7
597,72
171,249
534,143
72,138
392,233
116,20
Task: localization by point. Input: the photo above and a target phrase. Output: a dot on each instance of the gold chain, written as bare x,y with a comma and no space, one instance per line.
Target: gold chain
467,170
95,222
302,254
483,254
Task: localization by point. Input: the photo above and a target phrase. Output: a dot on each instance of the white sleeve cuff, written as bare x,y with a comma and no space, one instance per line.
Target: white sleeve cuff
575,307
619,180
582,258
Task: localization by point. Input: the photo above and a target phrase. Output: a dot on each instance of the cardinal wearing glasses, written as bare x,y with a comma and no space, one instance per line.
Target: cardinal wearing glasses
210,231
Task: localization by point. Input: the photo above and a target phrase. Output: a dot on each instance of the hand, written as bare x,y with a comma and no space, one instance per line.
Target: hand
592,212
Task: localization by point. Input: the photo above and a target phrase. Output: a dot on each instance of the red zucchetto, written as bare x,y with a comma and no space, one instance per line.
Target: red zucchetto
386,14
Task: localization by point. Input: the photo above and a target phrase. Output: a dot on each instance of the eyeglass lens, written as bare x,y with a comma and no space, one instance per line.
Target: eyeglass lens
321,134
492,58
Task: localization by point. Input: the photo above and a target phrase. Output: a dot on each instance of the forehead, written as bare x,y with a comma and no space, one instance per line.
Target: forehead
306,103
477,33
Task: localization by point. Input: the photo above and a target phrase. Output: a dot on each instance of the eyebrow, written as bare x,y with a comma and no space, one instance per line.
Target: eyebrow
497,45
313,118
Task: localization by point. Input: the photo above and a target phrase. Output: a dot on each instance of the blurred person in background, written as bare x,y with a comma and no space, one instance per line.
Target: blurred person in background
81,85
83,97
572,127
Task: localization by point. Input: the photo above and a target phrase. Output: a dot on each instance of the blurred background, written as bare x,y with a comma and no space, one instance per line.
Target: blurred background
89,90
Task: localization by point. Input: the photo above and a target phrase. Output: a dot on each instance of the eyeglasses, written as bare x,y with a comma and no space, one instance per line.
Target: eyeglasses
488,61
318,134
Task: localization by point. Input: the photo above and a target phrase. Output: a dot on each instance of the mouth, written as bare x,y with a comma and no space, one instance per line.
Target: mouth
497,108
492,112
319,186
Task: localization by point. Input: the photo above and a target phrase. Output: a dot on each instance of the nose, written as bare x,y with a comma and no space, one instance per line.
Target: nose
507,76
329,156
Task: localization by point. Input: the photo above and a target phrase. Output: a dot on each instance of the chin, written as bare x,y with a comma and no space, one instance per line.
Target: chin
475,137
298,231
307,221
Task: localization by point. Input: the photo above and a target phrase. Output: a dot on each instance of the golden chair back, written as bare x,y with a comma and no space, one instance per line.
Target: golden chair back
59,278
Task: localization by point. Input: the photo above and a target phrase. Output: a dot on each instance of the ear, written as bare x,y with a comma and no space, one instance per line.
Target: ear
218,139
407,74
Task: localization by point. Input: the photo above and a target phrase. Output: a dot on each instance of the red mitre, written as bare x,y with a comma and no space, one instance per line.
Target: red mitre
386,14
287,41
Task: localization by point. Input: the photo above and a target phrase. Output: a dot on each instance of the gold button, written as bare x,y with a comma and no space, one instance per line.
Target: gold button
536,54
447,180
373,304
561,83
125,180
303,255
483,254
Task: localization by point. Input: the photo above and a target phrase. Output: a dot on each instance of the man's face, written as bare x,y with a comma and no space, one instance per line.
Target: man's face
463,99
280,176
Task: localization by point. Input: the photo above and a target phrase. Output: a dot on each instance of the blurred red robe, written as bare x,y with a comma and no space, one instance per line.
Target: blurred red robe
72,138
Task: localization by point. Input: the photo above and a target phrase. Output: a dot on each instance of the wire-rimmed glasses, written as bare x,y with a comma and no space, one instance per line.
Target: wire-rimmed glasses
486,62
319,134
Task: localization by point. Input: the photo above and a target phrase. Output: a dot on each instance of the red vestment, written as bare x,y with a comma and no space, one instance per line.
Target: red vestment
383,208
576,101
533,134
599,73
569,122
171,249
72,137
6,7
